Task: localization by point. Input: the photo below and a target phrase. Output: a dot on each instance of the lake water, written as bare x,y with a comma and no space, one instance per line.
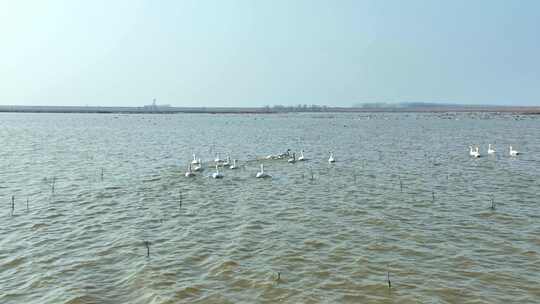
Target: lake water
403,198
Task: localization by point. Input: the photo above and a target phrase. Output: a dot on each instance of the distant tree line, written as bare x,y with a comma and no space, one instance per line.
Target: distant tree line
379,105
297,108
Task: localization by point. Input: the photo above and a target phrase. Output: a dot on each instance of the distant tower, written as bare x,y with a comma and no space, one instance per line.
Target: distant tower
154,106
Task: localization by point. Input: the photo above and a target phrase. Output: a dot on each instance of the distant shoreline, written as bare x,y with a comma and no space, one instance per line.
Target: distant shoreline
266,110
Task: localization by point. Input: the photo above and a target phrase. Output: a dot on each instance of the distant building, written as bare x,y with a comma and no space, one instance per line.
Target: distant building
155,107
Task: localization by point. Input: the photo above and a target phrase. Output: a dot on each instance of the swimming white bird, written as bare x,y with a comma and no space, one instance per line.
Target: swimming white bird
475,152
217,159
293,159
514,152
302,158
217,174
279,156
189,173
227,162
284,154
491,150
233,166
195,161
199,166
262,174
331,159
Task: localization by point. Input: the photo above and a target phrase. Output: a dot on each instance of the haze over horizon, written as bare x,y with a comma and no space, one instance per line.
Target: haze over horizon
257,53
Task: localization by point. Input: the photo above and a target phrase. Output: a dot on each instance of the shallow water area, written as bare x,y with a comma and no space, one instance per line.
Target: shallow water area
404,198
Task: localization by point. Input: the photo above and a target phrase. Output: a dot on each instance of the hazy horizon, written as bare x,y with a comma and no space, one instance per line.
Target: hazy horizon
381,105
255,53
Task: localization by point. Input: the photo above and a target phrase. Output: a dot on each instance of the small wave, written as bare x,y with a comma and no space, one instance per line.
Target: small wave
39,226
190,292
225,267
14,263
113,188
84,299
314,243
150,180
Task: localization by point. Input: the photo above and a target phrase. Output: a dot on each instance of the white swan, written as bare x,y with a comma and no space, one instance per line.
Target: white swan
474,152
302,158
285,154
279,156
217,159
491,150
217,174
262,174
189,173
293,159
227,162
331,159
514,152
233,166
195,161
198,167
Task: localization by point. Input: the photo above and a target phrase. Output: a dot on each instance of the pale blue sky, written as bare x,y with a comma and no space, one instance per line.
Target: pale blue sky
254,53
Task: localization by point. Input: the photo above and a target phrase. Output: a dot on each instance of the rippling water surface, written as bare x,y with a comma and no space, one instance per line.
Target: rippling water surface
404,197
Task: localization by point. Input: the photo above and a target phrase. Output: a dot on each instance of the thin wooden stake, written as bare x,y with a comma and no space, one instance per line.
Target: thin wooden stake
53,182
147,244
